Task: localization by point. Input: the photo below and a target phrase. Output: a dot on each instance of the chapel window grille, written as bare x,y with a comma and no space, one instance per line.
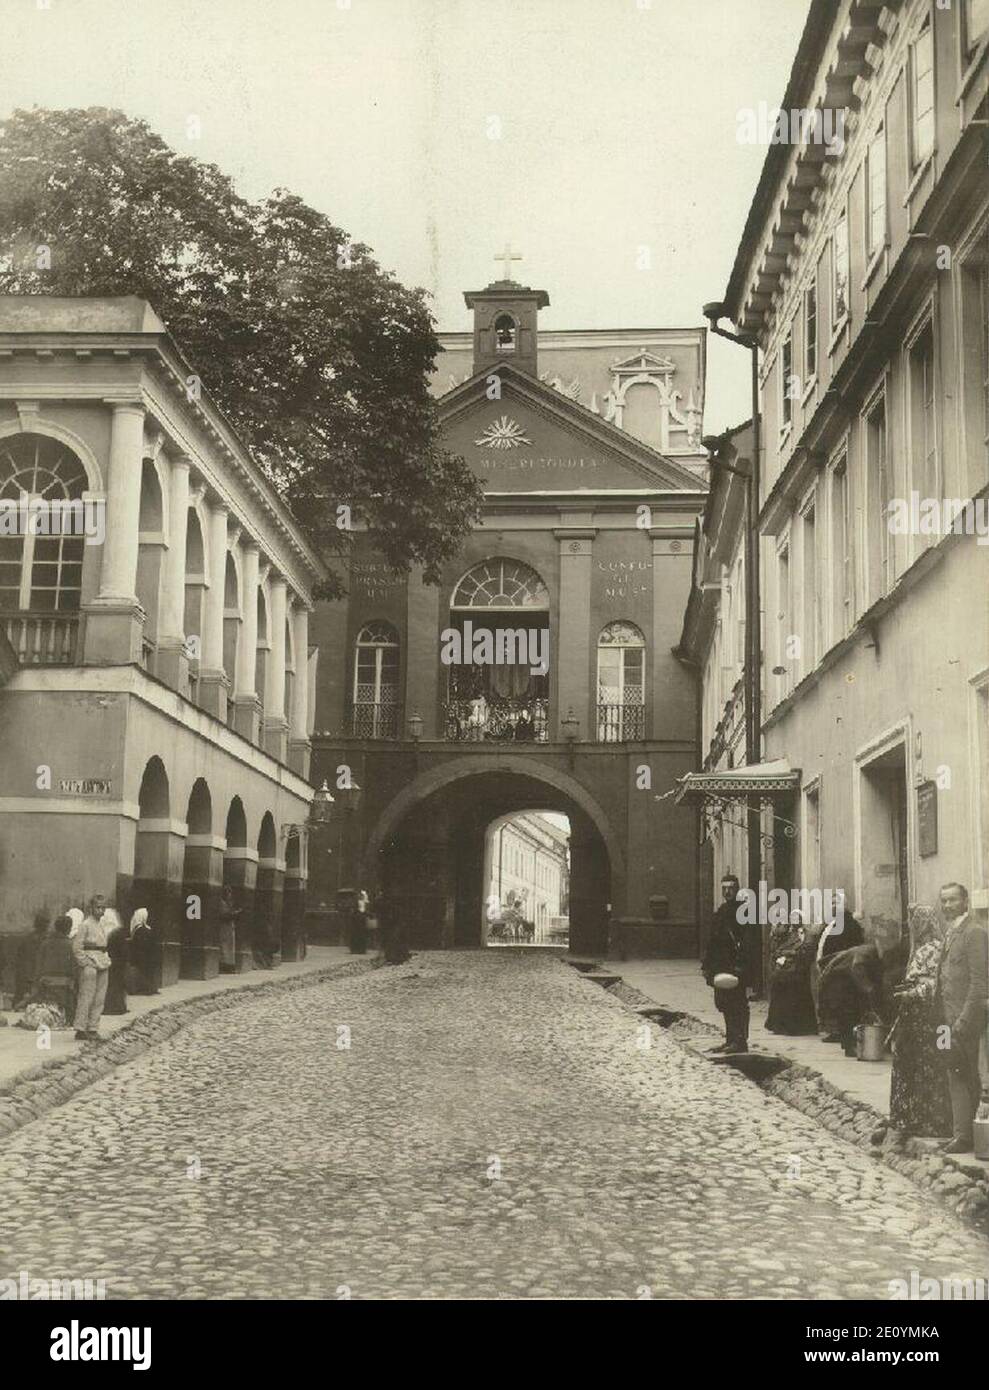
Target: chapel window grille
621,683
375,712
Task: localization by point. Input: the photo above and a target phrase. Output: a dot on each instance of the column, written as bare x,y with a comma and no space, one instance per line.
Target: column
422,662
275,723
115,619
298,733
247,706
212,678
173,663
572,658
201,887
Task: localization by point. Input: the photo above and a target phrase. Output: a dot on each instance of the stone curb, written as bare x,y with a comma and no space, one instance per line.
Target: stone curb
40,1088
960,1184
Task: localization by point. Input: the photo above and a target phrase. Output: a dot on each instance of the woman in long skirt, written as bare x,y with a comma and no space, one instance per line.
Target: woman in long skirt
116,945
919,1101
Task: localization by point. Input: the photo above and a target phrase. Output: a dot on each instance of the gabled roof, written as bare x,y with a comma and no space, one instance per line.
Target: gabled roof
652,466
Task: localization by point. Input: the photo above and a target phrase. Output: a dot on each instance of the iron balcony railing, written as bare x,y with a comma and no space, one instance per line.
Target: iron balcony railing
42,639
497,718
621,723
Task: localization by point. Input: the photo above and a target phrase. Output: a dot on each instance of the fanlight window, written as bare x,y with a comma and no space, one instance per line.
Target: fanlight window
621,683
376,670
501,583
41,572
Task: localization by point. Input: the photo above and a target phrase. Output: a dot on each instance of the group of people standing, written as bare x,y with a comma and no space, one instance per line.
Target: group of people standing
76,967
925,991
363,916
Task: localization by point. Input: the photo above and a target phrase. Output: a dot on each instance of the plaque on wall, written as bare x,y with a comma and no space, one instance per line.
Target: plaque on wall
927,817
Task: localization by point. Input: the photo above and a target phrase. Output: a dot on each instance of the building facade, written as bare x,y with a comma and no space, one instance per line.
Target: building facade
155,715
862,274
527,866
584,547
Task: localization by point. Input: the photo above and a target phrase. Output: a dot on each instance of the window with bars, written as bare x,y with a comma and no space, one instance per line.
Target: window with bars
621,683
41,572
375,691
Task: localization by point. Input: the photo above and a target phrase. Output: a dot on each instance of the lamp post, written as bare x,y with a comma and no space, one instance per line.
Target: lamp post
415,726
571,733
714,312
349,799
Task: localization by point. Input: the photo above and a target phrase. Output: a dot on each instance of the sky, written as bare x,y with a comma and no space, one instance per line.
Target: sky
597,136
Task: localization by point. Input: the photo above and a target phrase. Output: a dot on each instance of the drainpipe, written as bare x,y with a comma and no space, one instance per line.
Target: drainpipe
753,617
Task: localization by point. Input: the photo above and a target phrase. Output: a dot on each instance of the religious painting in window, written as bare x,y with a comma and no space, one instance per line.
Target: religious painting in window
375,711
498,683
621,683
839,272
41,566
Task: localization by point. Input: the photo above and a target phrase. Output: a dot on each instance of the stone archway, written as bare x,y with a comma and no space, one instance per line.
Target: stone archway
427,849
201,877
159,850
240,867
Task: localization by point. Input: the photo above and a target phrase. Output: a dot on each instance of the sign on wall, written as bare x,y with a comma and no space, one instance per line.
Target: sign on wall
927,817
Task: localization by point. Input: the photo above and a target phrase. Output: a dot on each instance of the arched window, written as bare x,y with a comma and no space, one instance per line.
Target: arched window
505,331
376,662
42,571
501,583
621,683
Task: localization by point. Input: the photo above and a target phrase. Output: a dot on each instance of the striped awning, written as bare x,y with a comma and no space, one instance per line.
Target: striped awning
770,780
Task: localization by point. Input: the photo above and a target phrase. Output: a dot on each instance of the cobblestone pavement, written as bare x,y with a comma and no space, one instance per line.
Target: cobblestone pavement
494,1130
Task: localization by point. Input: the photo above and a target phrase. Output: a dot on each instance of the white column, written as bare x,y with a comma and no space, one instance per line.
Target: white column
213,617
274,695
275,723
172,613
299,713
212,679
118,573
247,650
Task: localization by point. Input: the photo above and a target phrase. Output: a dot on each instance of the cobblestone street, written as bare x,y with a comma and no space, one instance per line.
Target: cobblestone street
493,1130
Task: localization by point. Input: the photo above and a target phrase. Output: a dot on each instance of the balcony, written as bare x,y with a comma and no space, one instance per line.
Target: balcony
494,718
621,723
42,639
375,720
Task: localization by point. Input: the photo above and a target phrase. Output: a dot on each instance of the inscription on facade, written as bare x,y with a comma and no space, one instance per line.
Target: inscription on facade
85,786
527,464
626,579
372,579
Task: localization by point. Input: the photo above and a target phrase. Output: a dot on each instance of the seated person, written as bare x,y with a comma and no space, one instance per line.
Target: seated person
55,973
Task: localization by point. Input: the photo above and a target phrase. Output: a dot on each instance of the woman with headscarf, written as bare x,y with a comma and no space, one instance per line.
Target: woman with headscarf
76,916
791,1005
117,937
919,1101
145,954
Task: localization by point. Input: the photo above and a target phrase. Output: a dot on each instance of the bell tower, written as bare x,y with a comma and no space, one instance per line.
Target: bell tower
505,320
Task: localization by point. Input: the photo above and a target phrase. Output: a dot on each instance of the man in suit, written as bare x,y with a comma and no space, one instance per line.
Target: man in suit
962,987
726,954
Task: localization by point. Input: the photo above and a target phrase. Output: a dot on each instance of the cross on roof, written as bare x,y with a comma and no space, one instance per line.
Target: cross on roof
507,256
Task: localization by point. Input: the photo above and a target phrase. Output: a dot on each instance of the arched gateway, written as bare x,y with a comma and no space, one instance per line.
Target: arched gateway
427,848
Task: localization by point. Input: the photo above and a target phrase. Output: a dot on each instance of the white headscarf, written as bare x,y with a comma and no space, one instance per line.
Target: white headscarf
139,919
77,915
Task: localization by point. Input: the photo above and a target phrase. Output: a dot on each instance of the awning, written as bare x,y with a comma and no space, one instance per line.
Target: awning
768,780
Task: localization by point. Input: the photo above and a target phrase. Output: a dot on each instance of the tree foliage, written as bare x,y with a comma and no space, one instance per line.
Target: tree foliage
318,358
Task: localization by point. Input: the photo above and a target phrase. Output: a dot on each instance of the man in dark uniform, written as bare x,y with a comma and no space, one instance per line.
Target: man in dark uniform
726,954
960,998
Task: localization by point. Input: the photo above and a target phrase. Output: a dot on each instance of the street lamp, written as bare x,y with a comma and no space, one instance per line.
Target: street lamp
415,726
320,813
571,732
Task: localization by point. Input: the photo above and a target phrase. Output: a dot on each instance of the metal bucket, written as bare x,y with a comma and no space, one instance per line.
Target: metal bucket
869,1042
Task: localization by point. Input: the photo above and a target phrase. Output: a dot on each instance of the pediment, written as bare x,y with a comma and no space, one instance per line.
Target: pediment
531,438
